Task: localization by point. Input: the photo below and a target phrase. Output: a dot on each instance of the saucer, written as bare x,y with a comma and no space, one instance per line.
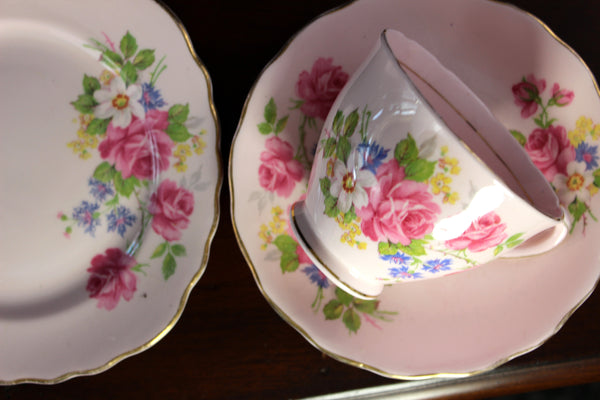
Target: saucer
465,323
110,182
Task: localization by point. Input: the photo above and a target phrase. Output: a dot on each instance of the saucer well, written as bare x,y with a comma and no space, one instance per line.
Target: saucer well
110,183
465,323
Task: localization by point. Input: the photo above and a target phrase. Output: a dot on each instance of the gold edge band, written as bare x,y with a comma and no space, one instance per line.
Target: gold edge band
289,320
202,267
324,265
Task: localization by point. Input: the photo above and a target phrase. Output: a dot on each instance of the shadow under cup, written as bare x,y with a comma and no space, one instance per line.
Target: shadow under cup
402,94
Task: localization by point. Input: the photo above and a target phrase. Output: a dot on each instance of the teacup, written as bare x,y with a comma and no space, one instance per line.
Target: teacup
414,178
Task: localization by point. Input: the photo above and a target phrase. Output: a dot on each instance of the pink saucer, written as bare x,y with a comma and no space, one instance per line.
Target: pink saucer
461,324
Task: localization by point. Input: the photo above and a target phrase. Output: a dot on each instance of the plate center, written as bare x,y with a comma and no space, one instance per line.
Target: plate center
59,204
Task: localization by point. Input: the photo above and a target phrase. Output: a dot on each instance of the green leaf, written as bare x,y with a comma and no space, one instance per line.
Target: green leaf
350,123
387,249
280,126
104,172
351,320
597,177
96,215
343,296
129,73
325,184
265,128
97,126
179,113
331,209
415,248
338,121
125,186
419,170
350,215
64,217
114,57
289,262
514,244
343,149
112,202
333,309
406,151
169,265
285,243
128,45
577,209
539,122
365,306
514,237
329,147
178,250
90,84
498,249
68,230
143,59
160,250
519,136
85,103
270,112
178,132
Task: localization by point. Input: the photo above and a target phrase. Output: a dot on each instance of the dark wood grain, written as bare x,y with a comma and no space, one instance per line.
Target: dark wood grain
229,343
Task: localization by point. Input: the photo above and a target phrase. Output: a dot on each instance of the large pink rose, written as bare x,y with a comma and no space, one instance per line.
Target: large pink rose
279,171
526,93
399,210
320,87
131,148
485,232
550,150
171,207
111,278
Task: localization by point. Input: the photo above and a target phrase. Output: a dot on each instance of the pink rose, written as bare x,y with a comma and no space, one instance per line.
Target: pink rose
170,207
320,87
526,93
550,150
399,210
279,171
131,148
485,232
111,278
562,97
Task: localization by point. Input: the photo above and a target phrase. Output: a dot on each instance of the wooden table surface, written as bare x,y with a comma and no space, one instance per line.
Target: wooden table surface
229,342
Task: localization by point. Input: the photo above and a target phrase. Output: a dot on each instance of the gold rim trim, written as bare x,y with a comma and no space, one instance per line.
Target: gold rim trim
296,326
211,233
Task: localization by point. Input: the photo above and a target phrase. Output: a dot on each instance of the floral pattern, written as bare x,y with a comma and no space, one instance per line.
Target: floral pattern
567,158
125,122
281,169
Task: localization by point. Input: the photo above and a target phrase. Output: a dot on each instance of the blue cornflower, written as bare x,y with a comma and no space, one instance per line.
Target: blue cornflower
99,189
316,276
398,258
403,272
151,98
437,265
588,154
85,215
119,219
371,155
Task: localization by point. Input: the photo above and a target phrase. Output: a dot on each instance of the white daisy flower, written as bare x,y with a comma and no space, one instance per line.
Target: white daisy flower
119,102
348,185
574,184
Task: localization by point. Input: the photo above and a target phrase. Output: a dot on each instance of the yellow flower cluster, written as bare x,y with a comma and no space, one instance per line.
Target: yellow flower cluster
184,150
84,141
440,183
351,230
276,226
583,126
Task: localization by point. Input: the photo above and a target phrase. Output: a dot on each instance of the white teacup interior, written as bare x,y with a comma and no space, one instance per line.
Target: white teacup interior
472,122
